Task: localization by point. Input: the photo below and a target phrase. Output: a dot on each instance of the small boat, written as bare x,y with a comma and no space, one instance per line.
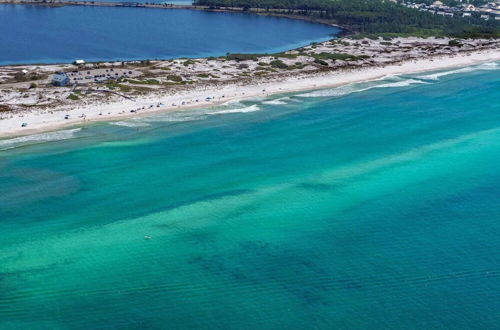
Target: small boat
147,237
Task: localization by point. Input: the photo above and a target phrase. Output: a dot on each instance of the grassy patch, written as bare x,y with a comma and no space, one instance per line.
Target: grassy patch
121,87
143,82
174,77
188,62
320,62
338,56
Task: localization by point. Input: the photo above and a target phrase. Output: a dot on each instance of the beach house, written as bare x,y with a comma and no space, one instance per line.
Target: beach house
60,79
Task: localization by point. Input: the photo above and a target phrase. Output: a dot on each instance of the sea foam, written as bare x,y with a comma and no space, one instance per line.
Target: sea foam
280,101
130,124
484,66
356,88
38,138
250,108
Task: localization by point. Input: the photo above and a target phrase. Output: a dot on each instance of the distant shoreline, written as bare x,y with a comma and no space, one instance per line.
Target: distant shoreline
46,121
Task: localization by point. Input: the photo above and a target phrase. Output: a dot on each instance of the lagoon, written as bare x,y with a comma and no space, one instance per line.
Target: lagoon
35,34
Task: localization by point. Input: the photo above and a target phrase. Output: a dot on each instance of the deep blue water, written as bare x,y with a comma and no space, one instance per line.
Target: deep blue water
34,34
369,206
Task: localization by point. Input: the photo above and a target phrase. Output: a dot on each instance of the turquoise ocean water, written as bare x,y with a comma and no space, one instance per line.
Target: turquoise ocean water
368,206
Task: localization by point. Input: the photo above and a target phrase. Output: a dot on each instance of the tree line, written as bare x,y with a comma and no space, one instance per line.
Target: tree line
372,17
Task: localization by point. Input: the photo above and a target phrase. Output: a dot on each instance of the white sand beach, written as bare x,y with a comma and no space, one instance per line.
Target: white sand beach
47,120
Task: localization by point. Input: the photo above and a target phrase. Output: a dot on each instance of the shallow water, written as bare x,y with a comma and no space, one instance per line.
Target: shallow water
53,35
374,205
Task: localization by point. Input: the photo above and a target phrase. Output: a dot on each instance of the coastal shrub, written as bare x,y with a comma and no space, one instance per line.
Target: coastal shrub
174,77
20,77
111,84
284,55
320,62
338,56
124,88
279,64
203,75
143,82
242,57
121,87
243,66
295,67
454,43
33,85
4,108
73,97
188,62
263,63
386,43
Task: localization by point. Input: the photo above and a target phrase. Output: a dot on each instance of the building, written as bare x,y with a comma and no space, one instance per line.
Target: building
60,79
79,62
468,7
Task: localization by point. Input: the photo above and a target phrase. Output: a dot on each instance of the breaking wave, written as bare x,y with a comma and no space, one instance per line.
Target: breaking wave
403,83
174,117
280,101
130,123
38,138
484,66
356,88
192,115
251,108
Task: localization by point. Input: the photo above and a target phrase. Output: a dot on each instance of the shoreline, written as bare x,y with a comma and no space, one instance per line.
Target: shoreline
43,121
